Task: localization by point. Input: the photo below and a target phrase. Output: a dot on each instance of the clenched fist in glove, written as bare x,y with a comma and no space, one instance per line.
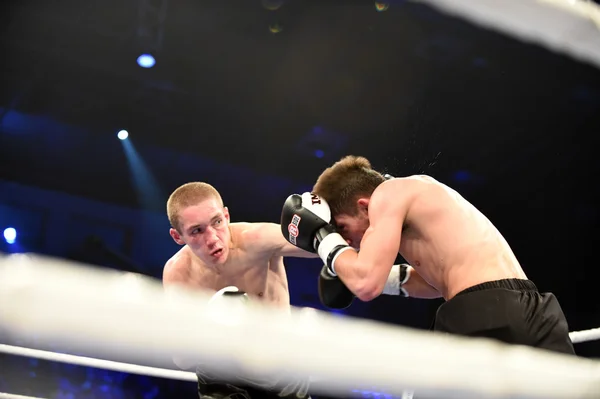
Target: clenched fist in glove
306,223
333,293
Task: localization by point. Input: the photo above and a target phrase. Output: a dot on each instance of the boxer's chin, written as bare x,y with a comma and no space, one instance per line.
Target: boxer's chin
219,256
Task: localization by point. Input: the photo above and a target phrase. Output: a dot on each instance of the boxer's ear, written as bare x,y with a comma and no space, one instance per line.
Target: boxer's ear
176,236
226,213
363,204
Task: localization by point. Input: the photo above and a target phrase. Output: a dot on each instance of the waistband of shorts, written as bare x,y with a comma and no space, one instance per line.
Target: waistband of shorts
515,284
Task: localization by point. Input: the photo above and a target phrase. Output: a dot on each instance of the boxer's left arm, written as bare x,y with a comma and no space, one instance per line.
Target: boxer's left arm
267,237
366,272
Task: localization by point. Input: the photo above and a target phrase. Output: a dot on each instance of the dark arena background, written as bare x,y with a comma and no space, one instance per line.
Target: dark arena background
257,98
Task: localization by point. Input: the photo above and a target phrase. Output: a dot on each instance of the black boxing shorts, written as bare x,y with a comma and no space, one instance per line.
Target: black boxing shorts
213,388
510,310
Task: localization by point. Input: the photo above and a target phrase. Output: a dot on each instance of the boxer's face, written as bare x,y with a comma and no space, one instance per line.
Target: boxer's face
353,227
205,229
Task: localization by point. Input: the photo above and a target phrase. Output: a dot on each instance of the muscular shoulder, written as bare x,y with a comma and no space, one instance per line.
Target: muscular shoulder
400,190
177,267
242,228
260,238
249,235
397,197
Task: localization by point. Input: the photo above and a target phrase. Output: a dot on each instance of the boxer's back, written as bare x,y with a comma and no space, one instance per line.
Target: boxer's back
261,275
449,242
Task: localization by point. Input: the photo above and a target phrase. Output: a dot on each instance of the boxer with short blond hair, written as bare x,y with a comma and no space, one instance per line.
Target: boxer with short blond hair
217,253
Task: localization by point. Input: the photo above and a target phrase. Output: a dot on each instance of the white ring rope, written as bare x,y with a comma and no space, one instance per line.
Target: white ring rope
576,337
571,27
585,335
108,314
98,363
12,396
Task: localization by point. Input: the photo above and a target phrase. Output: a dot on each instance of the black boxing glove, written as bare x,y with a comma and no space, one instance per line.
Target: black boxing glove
332,291
305,223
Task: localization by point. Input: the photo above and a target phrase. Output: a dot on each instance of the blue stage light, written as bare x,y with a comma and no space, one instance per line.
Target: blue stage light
146,61
10,235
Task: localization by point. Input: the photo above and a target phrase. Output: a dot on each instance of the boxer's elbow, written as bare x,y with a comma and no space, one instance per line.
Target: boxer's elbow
368,289
367,296
358,277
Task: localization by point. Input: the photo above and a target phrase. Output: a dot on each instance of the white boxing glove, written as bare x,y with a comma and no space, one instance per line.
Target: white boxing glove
230,292
398,276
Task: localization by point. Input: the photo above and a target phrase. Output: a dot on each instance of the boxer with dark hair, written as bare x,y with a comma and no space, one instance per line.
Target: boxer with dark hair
454,252
217,254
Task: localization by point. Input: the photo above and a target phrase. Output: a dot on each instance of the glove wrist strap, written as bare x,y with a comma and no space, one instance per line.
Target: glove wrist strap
398,276
337,251
329,248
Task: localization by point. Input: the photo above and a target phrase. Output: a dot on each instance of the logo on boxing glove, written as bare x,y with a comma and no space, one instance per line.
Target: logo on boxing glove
293,228
312,211
314,199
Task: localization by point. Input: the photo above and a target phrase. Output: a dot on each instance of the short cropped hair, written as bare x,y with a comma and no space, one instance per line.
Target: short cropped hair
187,195
349,179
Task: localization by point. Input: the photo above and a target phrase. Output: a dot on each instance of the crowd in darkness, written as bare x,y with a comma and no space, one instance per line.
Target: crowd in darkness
45,379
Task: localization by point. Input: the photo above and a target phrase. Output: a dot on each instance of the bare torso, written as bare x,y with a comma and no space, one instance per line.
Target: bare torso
261,275
449,242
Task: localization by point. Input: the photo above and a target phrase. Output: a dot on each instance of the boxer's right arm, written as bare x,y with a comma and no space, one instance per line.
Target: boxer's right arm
267,237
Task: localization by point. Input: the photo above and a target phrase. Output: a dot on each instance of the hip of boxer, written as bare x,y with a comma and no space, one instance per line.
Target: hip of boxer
509,310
